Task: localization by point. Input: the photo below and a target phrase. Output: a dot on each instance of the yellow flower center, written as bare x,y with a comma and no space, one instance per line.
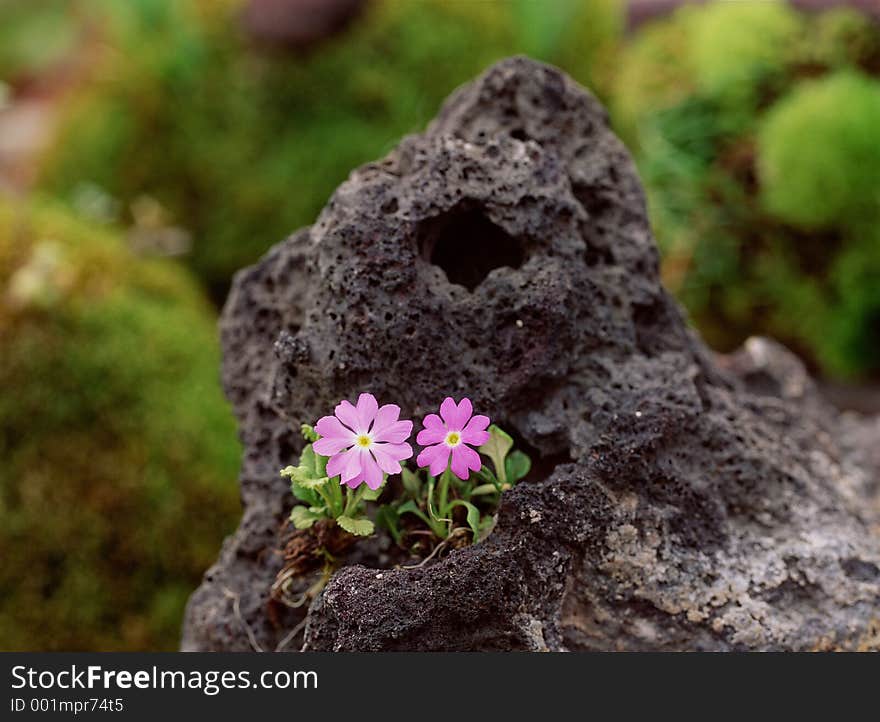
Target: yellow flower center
453,438
364,441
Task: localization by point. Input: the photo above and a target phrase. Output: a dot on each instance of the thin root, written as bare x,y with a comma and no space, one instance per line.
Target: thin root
236,609
291,635
437,549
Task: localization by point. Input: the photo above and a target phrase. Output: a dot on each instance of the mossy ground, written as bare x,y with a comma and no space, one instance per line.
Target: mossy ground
119,452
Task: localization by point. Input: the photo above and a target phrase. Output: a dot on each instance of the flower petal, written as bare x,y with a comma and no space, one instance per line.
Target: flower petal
347,414
328,445
354,464
367,406
456,416
431,436
354,483
436,457
432,421
475,432
386,416
387,458
372,473
465,409
334,436
465,460
449,411
398,432
398,451
338,462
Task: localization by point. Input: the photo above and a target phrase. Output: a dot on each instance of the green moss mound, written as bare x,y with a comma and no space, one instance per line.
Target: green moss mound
760,152
819,152
119,452
240,147
731,44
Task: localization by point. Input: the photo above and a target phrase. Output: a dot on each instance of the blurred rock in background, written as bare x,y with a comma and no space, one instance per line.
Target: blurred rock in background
298,24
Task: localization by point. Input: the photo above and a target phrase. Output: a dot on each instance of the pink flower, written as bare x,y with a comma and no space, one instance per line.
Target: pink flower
451,436
363,441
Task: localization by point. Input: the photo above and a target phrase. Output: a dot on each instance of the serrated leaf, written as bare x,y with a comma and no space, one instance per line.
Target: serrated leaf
309,434
517,466
411,482
320,464
307,483
302,517
312,498
497,448
306,466
358,527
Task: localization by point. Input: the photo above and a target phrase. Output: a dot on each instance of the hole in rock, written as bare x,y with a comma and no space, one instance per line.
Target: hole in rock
467,246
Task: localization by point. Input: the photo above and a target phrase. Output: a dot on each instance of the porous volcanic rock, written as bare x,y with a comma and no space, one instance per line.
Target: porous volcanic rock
678,500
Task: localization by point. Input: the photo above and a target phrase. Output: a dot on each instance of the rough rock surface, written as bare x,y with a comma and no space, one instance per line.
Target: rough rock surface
679,501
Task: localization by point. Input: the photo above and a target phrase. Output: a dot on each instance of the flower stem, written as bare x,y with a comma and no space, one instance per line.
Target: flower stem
352,499
443,488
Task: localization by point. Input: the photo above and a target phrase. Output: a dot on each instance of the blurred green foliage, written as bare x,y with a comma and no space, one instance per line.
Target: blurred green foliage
34,36
819,152
241,147
757,132
119,452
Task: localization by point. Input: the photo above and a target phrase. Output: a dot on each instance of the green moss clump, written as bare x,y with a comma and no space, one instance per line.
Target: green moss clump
119,451
819,152
732,43
762,176
240,147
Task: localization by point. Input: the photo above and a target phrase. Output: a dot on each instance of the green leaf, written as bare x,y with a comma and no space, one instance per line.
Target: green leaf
473,516
388,518
496,448
307,477
487,523
309,434
484,489
517,466
307,466
486,475
411,482
410,507
303,518
310,497
358,527
307,483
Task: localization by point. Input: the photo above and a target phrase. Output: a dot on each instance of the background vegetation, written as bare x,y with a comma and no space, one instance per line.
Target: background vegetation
119,453
757,131
181,147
